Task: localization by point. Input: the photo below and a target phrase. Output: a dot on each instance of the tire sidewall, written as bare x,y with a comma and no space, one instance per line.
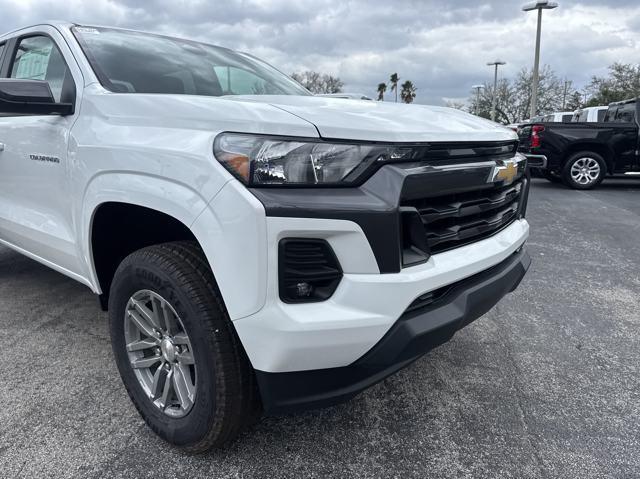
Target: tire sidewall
568,179
139,275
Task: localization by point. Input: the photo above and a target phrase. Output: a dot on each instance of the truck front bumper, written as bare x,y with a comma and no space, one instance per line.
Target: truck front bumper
383,292
415,333
337,332
315,354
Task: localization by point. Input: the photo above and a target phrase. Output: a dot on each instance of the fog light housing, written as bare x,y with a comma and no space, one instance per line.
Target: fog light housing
304,290
308,270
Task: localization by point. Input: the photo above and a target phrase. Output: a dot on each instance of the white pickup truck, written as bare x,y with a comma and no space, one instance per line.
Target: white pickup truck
258,248
590,114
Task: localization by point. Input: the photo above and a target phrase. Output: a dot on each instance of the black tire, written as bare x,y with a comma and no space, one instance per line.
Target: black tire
226,399
569,179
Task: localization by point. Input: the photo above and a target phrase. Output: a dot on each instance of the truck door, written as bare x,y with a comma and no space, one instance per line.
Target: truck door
35,198
624,140
636,120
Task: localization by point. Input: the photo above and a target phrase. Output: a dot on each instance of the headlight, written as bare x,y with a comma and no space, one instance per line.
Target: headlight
262,160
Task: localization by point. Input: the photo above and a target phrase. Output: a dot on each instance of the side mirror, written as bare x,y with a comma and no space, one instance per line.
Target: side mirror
30,97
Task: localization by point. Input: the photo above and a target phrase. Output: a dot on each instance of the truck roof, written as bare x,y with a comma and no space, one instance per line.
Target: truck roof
623,102
66,24
52,23
586,108
62,24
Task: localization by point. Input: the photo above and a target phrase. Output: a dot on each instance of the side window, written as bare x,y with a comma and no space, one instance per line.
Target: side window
1,52
37,58
626,113
601,115
236,81
611,114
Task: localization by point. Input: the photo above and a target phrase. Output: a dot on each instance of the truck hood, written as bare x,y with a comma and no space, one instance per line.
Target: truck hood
384,121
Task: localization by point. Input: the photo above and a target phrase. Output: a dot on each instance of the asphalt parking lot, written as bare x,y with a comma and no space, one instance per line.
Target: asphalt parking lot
545,385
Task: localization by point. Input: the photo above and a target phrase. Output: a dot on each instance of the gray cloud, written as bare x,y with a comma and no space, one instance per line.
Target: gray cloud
441,46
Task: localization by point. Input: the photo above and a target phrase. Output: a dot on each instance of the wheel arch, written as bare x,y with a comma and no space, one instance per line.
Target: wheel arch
230,228
601,149
112,205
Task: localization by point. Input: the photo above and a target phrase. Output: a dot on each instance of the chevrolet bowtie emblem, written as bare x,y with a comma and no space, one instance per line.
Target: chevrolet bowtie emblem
506,172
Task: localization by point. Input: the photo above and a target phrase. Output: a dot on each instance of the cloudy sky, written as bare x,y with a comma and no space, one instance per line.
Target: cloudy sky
442,46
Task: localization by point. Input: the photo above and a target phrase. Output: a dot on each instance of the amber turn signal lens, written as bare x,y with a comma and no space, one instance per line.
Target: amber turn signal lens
239,164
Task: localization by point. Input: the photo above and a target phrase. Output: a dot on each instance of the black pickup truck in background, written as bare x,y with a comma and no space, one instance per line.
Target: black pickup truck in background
581,155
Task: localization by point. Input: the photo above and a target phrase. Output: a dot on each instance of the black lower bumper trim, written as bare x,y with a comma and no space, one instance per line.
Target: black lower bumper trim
413,335
536,161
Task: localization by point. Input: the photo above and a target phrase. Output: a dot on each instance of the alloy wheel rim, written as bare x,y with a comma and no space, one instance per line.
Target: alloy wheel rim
160,353
585,171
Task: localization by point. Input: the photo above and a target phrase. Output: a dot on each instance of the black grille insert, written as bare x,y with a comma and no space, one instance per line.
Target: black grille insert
457,219
309,270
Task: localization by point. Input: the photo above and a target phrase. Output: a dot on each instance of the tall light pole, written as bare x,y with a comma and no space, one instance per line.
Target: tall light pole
538,5
494,103
477,88
564,96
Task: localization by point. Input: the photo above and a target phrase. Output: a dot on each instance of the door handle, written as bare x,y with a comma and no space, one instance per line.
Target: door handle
1,146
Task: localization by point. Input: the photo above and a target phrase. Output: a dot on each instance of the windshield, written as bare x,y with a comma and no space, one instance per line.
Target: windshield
133,62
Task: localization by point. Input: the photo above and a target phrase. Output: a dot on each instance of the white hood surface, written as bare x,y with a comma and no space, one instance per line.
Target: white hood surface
384,121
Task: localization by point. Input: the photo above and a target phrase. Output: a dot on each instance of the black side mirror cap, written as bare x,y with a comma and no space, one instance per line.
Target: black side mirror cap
30,97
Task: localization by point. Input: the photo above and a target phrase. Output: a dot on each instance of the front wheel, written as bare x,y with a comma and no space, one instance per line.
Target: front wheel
176,349
584,170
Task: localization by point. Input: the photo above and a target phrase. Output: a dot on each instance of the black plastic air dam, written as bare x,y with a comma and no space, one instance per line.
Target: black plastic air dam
413,335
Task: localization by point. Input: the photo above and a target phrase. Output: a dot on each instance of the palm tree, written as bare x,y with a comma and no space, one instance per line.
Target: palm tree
382,87
408,92
394,84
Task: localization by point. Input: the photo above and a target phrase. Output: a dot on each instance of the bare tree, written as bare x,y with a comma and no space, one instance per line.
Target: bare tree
317,82
332,84
514,96
458,105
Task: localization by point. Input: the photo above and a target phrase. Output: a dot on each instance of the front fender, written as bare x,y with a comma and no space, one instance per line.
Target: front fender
230,228
174,199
